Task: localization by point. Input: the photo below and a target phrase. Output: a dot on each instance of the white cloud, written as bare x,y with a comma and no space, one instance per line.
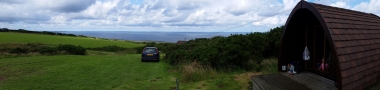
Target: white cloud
166,15
100,9
151,13
62,5
276,20
239,7
371,7
289,4
58,20
341,4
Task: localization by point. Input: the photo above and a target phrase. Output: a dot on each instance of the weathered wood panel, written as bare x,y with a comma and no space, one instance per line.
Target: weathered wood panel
284,81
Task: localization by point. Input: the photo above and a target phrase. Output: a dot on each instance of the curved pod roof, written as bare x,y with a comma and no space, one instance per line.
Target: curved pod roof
354,38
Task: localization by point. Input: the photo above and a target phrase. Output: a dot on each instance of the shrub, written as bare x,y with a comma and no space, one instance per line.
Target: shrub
34,44
48,50
82,36
150,44
110,48
72,49
48,33
19,50
33,48
235,52
71,35
139,49
162,47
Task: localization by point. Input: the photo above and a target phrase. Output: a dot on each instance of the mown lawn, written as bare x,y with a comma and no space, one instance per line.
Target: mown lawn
84,72
10,37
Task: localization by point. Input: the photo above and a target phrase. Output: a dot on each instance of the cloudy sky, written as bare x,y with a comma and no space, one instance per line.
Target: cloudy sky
157,15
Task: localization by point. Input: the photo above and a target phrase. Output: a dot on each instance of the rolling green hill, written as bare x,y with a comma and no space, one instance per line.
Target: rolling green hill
8,37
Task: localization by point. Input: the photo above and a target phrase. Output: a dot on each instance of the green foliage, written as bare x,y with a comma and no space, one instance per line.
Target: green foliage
72,49
235,52
269,66
82,36
56,40
110,48
222,53
115,48
19,50
48,50
274,41
4,30
139,49
162,47
150,44
35,44
37,32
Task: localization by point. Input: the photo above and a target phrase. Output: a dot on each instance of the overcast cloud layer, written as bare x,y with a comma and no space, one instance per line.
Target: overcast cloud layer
157,15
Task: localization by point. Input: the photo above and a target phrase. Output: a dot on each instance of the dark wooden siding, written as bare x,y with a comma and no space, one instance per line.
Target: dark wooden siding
356,36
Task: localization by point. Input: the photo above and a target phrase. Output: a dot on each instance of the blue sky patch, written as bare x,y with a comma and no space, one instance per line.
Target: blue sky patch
137,2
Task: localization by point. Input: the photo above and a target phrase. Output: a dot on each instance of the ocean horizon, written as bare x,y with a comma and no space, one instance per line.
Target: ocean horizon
151,36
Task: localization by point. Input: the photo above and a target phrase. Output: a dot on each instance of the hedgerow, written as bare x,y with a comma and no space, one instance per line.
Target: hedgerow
237,51
72,49
21,48
110,48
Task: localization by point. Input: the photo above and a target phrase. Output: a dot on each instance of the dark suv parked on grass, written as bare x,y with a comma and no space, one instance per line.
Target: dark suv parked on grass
150,54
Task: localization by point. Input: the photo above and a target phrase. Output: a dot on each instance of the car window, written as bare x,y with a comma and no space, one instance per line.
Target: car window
150,50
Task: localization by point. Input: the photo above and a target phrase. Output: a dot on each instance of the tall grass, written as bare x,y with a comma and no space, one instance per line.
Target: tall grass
194,76
269,66
194,72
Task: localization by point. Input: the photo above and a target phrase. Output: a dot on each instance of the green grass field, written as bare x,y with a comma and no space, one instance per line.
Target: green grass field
100,72
7,37
96,71
84,72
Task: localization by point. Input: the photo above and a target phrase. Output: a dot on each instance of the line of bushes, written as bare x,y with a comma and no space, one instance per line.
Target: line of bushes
235,52
115,48
20,48
110,48
39,32
71,35
162,47
62,49
72,49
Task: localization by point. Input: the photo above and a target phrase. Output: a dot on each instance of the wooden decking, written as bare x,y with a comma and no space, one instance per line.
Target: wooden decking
284,81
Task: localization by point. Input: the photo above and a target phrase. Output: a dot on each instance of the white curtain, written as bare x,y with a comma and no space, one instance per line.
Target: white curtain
306,54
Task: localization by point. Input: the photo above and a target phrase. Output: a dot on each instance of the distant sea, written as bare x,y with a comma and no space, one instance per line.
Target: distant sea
151,36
